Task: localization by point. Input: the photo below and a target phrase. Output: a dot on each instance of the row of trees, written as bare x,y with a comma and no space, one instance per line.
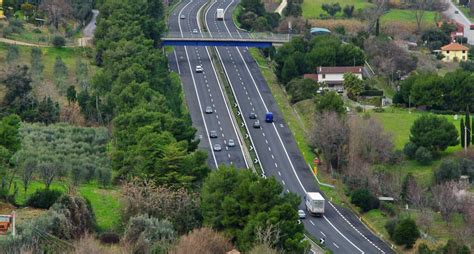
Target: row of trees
152,134
452,92
302,55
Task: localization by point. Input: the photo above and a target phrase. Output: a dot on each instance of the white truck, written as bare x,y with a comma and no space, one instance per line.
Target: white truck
220,14
314,202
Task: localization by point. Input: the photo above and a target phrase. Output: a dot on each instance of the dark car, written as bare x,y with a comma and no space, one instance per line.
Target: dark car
253,115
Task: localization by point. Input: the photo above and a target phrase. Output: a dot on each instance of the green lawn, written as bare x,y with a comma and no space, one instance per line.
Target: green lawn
407,16
105,202
312,8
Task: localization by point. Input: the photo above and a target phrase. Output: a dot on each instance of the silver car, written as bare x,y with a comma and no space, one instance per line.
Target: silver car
231,143
195,31
256,124
213,134
217,147
182,17
199,68
209,110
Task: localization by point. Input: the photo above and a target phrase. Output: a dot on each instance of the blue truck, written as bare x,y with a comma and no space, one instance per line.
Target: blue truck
269,117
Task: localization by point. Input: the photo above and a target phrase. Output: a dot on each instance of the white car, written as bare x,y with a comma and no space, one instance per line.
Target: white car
209,110
217,147
301,214
182,17
199,68
231,143
195,31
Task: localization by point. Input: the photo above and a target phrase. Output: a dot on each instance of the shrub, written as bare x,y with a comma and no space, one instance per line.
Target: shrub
396,157
389,208
147,233
36,31
77,212
410,150
44,198
363,199
203,240
406,232
109,238
58,41
7,31
104,176
390,227
448,170
371,93
359,109
423,156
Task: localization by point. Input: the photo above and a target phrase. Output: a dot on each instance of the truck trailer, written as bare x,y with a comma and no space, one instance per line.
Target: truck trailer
314,202
220,14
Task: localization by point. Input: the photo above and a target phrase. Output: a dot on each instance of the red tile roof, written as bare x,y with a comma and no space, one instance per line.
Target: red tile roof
339,69
311,76
454,47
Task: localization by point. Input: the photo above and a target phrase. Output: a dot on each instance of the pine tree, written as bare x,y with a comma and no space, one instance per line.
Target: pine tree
462,132
468,126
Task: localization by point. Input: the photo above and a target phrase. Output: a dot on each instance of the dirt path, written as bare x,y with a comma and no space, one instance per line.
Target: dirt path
22,43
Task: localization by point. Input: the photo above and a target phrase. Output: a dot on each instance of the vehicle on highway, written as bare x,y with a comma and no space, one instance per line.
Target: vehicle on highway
195,31
256,124
220,14
301,214
253,115
269,117
456,12
231,143
314,202
209,110
213,134
199,68
182,17
217,147
471,27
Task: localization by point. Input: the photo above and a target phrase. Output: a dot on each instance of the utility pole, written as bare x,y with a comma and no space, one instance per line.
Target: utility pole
465,138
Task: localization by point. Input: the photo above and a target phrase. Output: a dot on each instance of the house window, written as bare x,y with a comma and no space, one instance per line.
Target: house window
324,75
464,51
463,57
447,51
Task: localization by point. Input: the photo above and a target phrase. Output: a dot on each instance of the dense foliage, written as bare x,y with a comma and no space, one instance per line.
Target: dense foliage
434,133
330,102
403,231
240,203
253,16
363,199
452,92
301,56
43,199
152,133
301,89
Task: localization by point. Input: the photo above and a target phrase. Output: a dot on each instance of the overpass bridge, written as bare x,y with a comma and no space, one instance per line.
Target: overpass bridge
257,40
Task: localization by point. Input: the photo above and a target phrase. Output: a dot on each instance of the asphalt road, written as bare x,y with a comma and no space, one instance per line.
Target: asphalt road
202,90
460,18
274,143
276,147
90,28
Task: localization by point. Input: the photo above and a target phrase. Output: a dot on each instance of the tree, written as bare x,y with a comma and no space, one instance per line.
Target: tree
330,102
28,9
406,232
468,127
203,240
47,111
81,10
289,70
149,235
301,89
60,71
29,167
58,41
348,11
57,11
82,74
330,135
423,156
449,170
13,54
49,169
461,129
363,199
71,94
353,84
435,133
37,66
226,195
410,150
331,9
445,199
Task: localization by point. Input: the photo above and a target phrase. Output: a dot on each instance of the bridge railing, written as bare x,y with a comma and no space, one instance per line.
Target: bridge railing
238,36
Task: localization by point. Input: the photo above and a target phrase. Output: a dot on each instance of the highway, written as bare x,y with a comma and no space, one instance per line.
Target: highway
202,90
275,146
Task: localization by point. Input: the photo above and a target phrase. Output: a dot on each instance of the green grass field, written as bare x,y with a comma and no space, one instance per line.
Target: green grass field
103,201
407,16
312,8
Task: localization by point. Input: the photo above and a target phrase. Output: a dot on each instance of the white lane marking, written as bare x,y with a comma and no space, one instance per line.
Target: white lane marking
273,157
263,133
195,88
335,245
276,165
279,173
283,182
269,149
337,230
287,190
311,222
323,233
219,122
177,63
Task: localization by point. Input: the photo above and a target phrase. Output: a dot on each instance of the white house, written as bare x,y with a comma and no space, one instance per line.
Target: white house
333,77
